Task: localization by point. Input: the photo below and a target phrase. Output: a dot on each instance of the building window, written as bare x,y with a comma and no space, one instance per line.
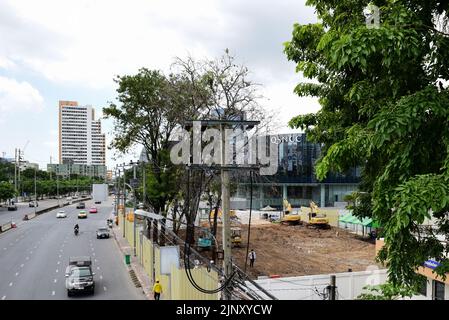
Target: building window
438,290
422,289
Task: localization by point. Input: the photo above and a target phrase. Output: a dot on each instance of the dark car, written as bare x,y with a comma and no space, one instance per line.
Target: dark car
12,207
102,233
79,276
81,205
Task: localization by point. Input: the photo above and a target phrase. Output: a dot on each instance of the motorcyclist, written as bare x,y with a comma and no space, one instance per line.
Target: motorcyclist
76,228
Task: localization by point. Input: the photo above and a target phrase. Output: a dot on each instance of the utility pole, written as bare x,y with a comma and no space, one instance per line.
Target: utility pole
144,185
35,191
332,288
135,207
225,200
57,189
15,175
18,172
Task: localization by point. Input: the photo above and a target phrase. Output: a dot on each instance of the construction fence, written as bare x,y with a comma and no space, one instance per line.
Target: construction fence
163,262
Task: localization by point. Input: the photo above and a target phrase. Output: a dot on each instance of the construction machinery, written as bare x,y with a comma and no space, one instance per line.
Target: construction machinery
204,239
317,220
236,236
290,217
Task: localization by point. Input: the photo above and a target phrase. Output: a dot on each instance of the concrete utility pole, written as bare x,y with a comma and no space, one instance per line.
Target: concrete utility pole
35,191
15,175
135,206
225,200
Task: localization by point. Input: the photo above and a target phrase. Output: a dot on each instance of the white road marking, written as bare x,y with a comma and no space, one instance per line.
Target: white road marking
10,284
11,244
57,270
17,240
105,288
101,277
4,297
4,248
56,280
27,258
17,274
31,252
98,268
60,255
22,265
95,260
59,262
52,293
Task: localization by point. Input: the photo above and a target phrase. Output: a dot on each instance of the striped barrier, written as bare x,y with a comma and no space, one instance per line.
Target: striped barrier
5,227
29,216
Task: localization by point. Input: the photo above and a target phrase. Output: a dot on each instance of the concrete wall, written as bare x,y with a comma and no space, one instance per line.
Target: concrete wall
349,285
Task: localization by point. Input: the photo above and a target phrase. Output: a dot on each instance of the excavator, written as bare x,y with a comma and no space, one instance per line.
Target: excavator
289,216
317,220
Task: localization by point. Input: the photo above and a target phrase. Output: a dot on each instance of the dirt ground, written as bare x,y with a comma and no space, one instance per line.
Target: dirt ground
298,250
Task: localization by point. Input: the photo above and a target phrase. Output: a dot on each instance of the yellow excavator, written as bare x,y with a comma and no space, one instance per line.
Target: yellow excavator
290,217
317,220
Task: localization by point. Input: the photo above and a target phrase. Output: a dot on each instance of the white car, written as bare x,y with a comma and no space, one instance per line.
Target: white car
61,214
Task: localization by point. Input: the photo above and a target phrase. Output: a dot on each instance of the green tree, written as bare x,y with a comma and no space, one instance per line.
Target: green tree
7,191
383,108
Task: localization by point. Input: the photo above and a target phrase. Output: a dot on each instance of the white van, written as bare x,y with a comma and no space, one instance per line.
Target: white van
69,200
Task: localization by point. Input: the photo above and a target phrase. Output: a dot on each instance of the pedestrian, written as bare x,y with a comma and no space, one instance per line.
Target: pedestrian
157,289
252,258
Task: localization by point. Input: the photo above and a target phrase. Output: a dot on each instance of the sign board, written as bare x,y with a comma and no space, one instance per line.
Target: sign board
432,264
169,257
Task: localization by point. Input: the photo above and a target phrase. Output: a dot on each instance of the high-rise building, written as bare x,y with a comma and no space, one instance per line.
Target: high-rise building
80,137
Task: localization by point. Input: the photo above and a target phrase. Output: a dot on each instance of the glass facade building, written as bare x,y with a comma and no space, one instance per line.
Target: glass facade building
295,179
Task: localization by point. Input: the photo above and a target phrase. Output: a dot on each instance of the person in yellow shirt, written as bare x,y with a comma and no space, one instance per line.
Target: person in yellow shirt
157,289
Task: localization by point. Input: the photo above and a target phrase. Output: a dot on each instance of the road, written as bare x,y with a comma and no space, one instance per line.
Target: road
34,256
23,208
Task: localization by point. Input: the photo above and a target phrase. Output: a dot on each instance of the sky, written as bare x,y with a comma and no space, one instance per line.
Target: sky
53,50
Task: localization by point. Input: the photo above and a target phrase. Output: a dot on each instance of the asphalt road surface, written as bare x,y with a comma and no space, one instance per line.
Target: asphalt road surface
23,208
33,257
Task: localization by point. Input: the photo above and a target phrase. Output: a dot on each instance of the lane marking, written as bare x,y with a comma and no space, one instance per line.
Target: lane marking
10,284
98,268
101,277
57,270
4,248
31,252
60,255
4,297
22,265
11,244
105,288
17,274
56,280
27,258
59,262
52,293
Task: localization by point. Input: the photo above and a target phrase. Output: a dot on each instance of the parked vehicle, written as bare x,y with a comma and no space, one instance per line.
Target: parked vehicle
79,276
12,207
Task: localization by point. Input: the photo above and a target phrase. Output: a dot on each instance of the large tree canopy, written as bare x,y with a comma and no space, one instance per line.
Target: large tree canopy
385,108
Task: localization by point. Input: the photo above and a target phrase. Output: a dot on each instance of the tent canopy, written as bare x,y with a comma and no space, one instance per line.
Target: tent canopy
268,208
366,222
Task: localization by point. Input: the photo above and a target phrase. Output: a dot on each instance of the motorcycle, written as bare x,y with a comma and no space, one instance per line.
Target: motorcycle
76,232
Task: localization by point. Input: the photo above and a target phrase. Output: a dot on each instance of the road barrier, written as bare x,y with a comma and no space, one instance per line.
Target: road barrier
29,216
5,227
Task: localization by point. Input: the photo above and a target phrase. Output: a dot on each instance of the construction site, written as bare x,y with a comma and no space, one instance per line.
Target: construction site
292,246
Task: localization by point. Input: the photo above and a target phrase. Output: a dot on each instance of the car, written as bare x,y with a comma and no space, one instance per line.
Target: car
97,202
12,207
33,203
79,276
82,214
69,200
81,205
102,233
61,214
93,210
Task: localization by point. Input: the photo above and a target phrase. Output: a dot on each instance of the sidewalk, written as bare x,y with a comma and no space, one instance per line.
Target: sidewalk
139,271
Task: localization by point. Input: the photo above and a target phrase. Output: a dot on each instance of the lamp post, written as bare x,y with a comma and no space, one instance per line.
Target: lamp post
35,191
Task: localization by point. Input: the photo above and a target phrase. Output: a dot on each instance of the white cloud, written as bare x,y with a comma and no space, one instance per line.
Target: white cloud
18,96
